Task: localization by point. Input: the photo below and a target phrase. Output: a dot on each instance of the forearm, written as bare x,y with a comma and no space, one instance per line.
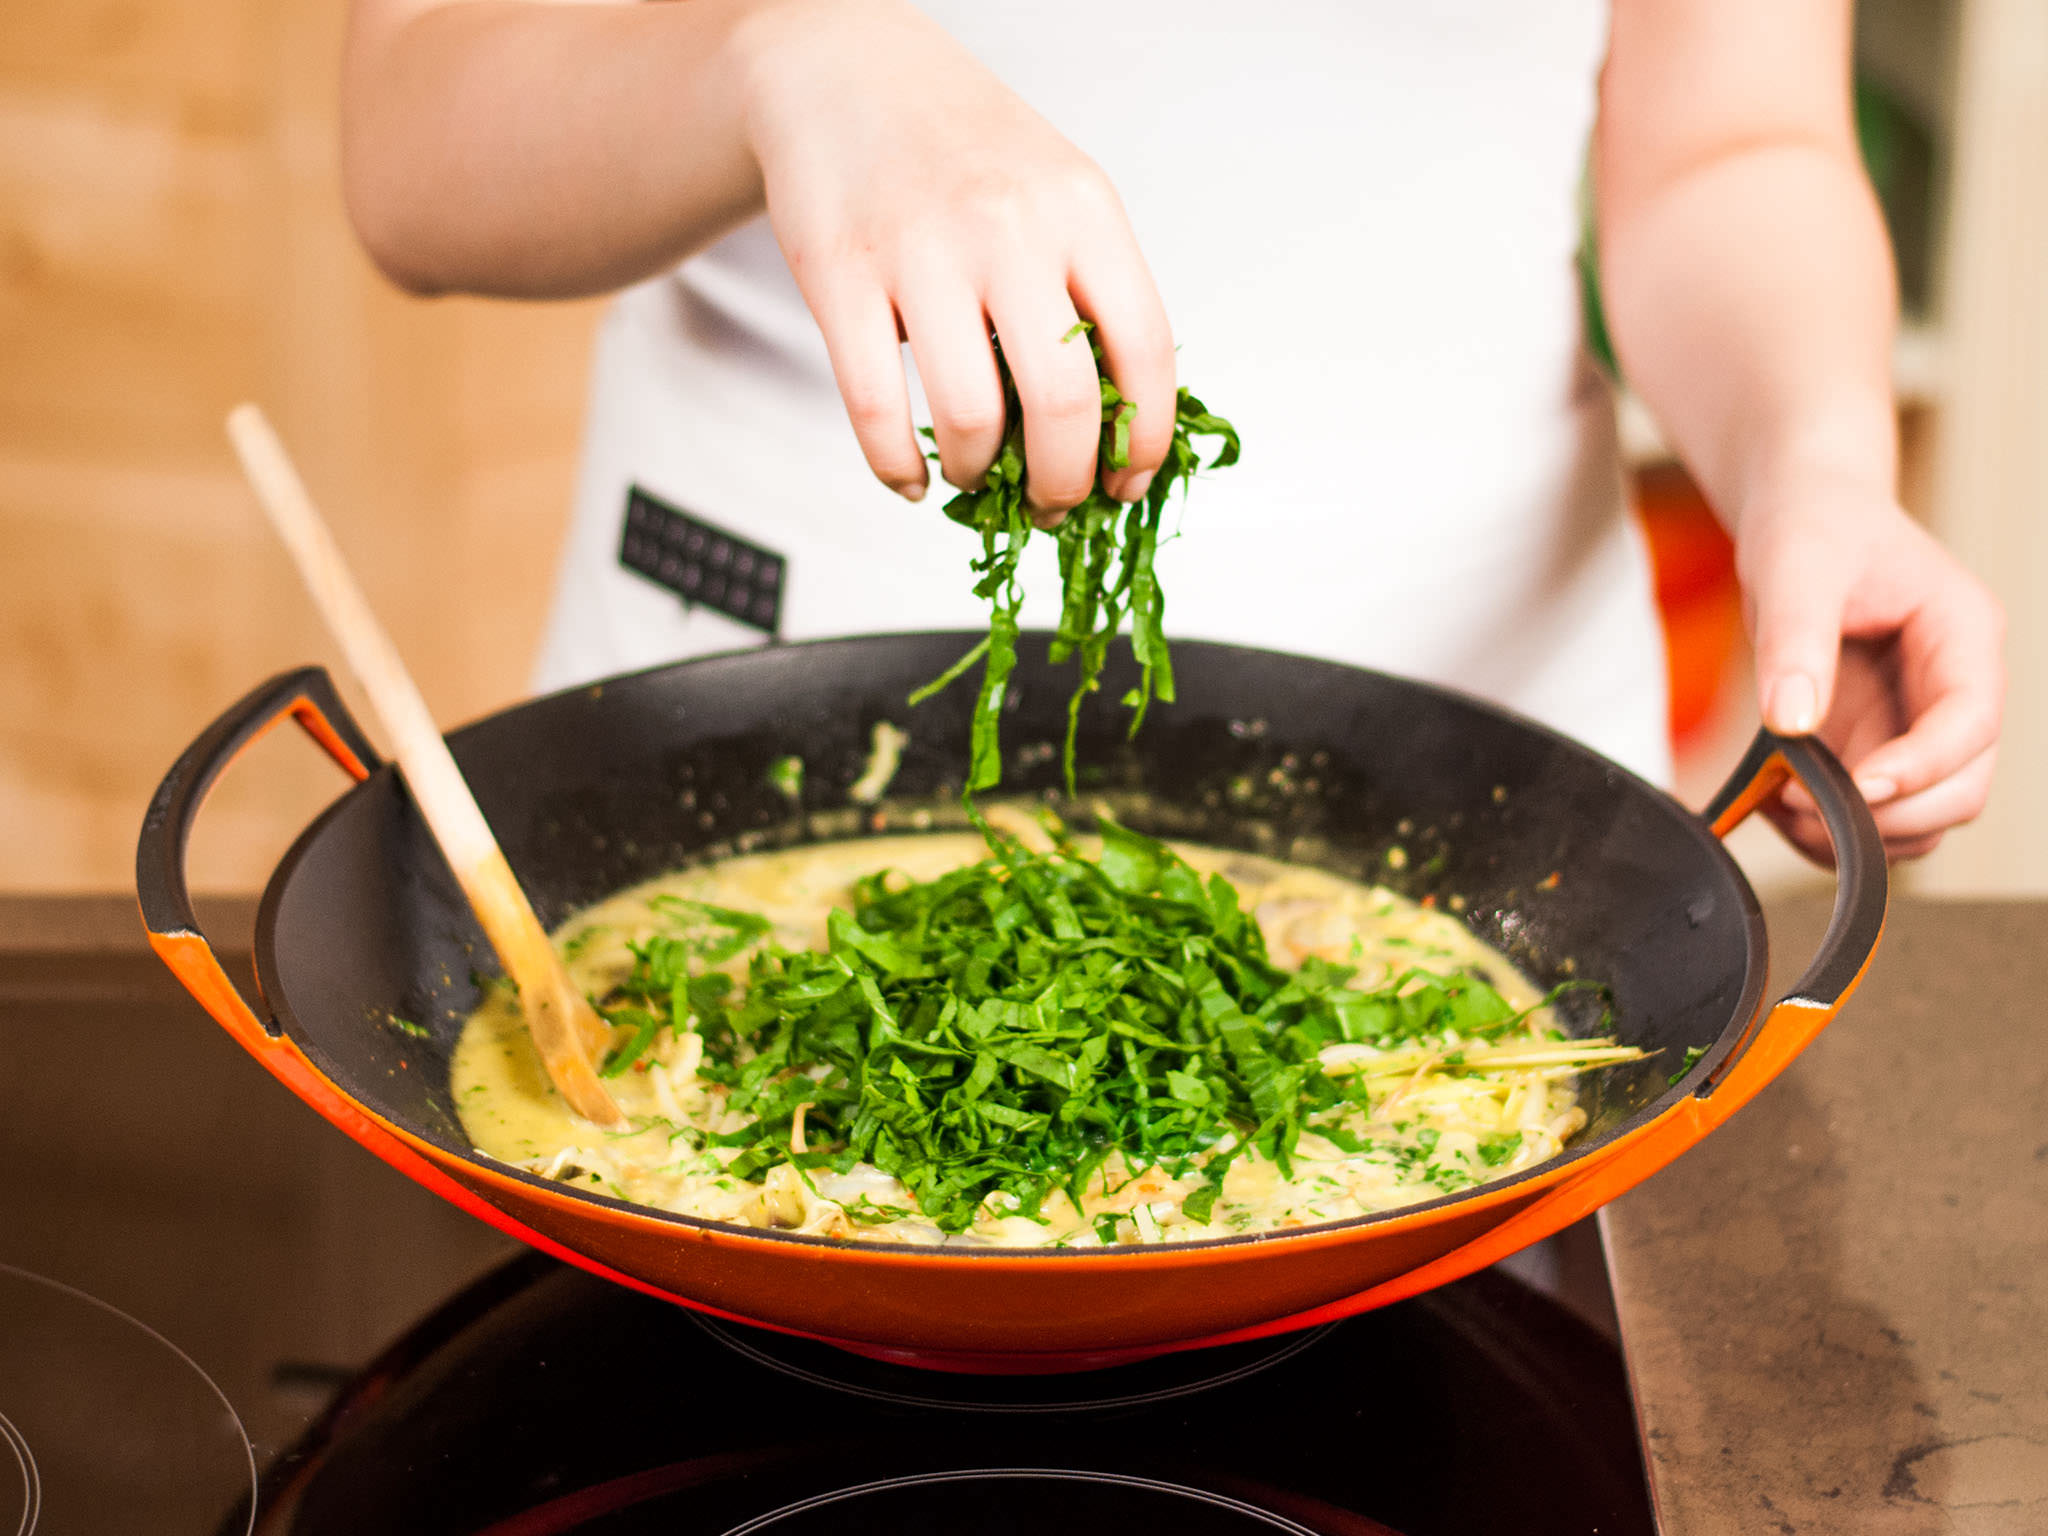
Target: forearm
544,150
1752,303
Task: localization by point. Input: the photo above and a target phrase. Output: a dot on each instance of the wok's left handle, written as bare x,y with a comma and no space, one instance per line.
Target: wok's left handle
307,696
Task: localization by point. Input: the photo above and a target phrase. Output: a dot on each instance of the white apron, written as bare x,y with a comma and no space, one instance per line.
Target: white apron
1362,217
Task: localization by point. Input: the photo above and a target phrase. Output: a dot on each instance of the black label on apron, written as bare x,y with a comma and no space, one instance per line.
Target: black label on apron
702,563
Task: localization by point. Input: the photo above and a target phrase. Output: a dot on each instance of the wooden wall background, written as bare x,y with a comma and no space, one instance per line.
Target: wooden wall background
1991,489
172,241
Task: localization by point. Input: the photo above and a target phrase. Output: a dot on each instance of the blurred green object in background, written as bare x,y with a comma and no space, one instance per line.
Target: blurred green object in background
1898,155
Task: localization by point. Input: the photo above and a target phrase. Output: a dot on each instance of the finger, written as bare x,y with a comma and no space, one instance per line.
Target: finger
1953,677
1809,834
1111,286
1911,848
949,338
1056,388
1957,799
1908,828
859,326
1800,594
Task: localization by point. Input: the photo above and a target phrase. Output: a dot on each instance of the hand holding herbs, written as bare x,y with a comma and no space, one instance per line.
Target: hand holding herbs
1107,552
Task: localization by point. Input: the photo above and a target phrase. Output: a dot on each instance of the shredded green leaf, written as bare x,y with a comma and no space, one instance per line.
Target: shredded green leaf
1495,1150
1692,1054
1003,1029
786,776
1107,551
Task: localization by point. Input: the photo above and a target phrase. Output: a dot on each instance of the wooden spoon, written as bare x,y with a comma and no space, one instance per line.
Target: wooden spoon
565,1028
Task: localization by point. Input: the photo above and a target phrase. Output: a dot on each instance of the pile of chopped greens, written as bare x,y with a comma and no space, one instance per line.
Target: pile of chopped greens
1008,1026
1106,555
1006,1029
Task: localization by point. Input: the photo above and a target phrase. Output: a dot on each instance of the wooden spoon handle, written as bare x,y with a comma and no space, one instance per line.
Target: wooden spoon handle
561,1020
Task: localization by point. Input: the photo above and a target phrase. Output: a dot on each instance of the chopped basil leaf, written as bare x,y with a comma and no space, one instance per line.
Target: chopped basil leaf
786,777
1495,1150
1005,1028
1692,1054
1107,551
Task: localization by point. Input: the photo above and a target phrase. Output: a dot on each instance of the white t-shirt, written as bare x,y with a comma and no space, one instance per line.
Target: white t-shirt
1362,217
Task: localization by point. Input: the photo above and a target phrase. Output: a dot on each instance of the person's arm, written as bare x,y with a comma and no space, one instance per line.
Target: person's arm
539,148
1749,289
542,150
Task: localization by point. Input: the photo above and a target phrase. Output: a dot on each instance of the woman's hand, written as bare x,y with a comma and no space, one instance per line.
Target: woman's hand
1749,292
1870,633
553,150
916,198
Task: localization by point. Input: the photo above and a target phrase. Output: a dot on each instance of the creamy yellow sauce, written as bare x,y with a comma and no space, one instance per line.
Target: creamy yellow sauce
1432,1130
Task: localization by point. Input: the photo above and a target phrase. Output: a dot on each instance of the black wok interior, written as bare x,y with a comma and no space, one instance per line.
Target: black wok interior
1547,850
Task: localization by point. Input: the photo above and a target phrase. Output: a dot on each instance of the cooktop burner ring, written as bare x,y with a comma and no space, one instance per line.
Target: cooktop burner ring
157,1434
1247,1516
762,1352
31,1478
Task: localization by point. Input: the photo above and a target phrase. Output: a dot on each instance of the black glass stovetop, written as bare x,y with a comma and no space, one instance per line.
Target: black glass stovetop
218,1315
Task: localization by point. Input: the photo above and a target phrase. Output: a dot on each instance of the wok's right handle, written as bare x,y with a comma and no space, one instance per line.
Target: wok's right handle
1862,886
306,695
1780,1032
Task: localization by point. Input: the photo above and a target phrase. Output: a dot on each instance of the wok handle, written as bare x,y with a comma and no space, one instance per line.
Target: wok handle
1779,1033
306,695
1862,885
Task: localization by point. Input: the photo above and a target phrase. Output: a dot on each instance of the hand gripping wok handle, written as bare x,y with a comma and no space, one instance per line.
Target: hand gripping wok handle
307,696
1861,887
1781,1032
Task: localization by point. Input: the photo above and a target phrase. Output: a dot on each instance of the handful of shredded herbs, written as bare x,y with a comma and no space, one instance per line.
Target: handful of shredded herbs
1009,1026
1106,557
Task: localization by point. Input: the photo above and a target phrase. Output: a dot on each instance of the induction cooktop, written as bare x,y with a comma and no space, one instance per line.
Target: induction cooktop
542,1400
219,1316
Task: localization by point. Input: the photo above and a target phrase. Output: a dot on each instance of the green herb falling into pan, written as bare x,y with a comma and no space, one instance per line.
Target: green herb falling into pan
1107,553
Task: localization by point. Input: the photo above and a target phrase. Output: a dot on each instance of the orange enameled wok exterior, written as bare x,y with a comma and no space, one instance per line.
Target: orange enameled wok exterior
1028,1310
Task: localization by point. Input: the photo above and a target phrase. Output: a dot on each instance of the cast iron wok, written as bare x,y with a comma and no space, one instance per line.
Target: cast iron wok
1546,849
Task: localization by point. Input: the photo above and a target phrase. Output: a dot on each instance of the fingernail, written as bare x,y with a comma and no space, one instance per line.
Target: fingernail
1875,791
1047,520
910,490
1136,490
1793,707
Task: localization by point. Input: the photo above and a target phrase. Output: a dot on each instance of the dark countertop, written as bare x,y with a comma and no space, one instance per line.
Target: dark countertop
1836,1308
